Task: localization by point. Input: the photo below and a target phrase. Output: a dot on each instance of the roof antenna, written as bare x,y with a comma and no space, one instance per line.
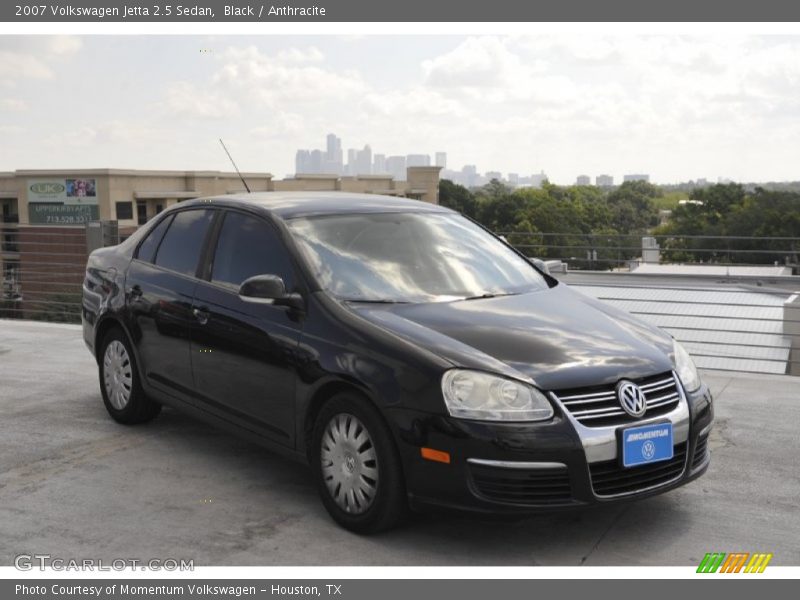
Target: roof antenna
247,187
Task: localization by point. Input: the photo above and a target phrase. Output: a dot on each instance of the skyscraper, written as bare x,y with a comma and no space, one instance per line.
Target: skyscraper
469,174
538,179
379,164
334,146
441,159
352,159
418,160
396,166
636,177
333,154
364,161
302,161
604,181
317,159
583,180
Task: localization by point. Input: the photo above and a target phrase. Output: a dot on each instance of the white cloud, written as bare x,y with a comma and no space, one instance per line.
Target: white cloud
281,125
301,55
64,45
412,103
250,74
13,104
34,57
114,133
185,99
475,63
17,65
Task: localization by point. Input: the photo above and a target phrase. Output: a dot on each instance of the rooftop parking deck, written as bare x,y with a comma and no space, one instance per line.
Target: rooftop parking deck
75,484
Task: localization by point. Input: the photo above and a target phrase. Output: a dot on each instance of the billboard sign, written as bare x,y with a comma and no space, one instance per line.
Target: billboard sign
69,201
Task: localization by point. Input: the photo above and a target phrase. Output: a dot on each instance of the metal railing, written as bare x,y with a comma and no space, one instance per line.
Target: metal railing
595,251
727,323
42,273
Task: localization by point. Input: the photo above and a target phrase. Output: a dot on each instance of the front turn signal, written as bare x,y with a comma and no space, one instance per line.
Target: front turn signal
435,455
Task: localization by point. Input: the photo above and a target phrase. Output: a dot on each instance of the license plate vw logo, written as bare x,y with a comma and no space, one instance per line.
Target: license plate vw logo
647,444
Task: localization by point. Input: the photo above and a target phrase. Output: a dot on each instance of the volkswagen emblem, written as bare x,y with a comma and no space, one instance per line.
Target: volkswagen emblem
648,450
631,398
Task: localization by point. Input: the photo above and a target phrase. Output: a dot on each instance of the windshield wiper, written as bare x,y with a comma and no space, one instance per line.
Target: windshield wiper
491,295
376,301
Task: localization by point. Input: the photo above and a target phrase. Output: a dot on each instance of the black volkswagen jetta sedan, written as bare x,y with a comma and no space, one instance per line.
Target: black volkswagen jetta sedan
409,356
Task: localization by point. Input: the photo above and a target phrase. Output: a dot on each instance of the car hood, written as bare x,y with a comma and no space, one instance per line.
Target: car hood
558,337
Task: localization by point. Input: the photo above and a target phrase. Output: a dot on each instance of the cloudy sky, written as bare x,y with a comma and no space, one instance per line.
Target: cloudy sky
679,107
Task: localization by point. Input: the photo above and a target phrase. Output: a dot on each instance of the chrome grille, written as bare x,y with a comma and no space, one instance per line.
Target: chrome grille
600,407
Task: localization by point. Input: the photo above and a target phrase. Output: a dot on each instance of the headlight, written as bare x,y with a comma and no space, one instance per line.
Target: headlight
684,366
477,395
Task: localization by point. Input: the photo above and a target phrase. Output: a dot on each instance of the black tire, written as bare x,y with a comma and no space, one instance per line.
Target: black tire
389,503
138,408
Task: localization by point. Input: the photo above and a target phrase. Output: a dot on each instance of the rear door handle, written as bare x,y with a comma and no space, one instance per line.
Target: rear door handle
201,315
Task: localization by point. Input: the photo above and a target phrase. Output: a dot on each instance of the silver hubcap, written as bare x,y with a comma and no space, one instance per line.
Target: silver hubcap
117,374
349,464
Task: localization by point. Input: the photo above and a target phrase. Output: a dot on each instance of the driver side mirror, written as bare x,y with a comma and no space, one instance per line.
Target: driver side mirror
269,289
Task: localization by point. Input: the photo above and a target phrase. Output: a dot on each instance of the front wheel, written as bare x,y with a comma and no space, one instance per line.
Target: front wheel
357,467
122,391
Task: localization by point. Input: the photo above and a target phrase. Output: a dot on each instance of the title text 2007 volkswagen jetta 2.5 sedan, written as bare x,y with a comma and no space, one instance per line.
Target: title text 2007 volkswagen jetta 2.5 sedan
408,355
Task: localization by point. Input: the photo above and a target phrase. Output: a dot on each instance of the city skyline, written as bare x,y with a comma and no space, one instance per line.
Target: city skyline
362,161
359,162
678,108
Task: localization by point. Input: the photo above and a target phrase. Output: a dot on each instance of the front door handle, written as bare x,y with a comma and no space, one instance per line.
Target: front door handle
201,315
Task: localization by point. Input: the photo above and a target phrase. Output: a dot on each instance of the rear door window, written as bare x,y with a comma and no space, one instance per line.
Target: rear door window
181,247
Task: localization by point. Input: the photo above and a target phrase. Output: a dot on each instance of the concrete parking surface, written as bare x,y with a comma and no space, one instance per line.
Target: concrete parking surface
74,484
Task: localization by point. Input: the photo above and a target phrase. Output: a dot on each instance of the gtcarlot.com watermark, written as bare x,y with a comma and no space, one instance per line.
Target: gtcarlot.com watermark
42,562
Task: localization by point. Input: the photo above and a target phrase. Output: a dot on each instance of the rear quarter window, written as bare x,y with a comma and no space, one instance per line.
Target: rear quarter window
147,249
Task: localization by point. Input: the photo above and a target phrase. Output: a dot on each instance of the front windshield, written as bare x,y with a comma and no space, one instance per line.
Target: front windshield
407,257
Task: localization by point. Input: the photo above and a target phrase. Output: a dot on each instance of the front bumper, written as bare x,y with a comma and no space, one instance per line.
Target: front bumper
505,468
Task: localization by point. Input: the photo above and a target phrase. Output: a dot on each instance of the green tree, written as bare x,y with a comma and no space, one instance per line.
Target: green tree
494,190
632,206
725,216
457,197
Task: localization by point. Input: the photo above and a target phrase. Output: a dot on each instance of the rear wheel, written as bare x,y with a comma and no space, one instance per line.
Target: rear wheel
357,467
120,386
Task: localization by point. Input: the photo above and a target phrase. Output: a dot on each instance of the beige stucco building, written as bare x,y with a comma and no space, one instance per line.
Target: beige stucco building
72,197
43,216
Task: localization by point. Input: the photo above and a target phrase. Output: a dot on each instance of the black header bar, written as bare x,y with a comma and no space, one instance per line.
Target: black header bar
465,11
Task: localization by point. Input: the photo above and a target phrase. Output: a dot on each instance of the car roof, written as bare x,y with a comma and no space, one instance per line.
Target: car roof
290,205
